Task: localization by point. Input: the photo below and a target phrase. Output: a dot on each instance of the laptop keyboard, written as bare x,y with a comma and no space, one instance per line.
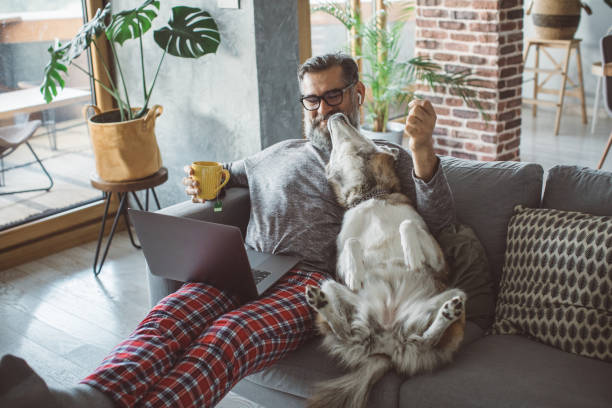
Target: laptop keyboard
259,275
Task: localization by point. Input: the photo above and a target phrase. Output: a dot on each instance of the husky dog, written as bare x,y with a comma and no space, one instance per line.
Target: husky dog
394,310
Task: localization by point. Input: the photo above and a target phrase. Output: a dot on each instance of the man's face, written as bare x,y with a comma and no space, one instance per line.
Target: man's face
315,121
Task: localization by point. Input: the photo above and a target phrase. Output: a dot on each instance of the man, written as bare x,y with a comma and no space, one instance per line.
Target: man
198,342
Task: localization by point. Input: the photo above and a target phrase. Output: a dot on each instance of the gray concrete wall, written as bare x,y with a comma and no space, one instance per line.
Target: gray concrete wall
276,37
590,30
226,106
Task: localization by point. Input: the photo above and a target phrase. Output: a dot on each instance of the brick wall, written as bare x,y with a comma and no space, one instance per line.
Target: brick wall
485,36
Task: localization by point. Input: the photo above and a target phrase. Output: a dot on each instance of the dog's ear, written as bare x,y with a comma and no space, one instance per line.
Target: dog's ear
393,151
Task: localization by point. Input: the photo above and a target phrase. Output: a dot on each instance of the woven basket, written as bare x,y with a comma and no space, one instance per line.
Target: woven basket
124,150
555,19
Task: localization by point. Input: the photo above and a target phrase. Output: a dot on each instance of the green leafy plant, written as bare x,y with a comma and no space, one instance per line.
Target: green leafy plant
390,77
191,33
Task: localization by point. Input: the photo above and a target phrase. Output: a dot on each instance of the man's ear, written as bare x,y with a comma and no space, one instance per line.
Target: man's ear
360,88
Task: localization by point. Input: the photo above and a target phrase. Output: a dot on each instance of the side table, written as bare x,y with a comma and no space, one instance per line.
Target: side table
122,189
560,68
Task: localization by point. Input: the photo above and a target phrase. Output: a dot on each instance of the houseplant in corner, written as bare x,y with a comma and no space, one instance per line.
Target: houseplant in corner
123,139
389,77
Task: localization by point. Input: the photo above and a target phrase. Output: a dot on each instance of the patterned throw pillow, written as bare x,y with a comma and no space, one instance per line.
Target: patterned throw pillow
556,284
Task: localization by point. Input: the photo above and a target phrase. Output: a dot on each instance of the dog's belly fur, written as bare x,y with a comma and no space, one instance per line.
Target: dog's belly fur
374,223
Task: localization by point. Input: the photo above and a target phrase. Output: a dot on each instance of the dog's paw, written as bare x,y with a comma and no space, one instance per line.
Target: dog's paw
453,308
315,297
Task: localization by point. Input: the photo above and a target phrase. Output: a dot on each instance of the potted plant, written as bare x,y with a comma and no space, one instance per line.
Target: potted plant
123,139
390,78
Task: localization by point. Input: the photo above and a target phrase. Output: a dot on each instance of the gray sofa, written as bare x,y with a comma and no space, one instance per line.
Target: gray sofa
489,370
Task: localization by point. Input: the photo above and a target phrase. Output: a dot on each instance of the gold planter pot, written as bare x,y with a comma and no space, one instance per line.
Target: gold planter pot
124,150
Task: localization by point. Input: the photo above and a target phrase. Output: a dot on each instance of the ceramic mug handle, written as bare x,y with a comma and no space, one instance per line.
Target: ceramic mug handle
226,176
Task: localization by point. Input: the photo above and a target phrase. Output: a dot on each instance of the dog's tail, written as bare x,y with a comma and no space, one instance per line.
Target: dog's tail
350,390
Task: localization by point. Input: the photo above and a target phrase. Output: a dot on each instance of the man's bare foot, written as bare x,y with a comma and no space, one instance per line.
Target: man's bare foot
21,387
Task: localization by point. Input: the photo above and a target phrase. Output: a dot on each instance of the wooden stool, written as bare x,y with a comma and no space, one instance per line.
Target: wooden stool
123,188
561,68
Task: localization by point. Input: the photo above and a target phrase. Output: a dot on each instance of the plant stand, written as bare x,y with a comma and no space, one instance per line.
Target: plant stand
561,68
123,188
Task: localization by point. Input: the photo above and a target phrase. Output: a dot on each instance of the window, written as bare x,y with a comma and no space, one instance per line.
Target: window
27,29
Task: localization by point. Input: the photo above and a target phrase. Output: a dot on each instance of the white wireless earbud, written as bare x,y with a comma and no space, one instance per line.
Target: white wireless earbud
359,99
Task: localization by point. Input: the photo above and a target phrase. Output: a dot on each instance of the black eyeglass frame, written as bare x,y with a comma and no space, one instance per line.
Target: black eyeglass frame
324,96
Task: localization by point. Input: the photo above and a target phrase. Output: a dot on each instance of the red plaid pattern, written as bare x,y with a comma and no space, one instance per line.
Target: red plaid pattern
194,346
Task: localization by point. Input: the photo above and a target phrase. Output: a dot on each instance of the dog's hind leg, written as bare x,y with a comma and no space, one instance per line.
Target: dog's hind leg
350,264
450,310
336,304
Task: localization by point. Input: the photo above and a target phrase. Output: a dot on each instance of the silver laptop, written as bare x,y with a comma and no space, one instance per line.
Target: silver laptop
191,250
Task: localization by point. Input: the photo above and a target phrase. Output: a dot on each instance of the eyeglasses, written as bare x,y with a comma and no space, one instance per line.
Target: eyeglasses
332,98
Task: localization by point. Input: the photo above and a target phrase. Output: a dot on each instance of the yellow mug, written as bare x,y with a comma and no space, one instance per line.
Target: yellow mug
209,175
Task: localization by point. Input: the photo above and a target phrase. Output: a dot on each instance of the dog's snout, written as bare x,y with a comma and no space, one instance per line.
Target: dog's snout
338,116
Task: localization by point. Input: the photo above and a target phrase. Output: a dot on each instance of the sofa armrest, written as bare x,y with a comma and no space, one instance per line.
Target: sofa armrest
236,211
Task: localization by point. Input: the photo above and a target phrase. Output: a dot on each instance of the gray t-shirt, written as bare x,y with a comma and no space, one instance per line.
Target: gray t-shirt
294,210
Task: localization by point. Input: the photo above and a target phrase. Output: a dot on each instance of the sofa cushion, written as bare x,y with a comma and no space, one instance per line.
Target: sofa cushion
512,371
485,194
556,285
573,188
300,370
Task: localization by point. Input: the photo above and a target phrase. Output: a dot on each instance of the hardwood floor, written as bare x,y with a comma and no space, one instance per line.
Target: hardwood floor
575,145
63,321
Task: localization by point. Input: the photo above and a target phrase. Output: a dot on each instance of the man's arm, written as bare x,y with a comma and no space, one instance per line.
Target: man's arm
420,124
238,175
434,200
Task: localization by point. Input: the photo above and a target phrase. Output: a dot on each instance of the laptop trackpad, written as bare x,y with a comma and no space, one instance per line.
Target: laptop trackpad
271,263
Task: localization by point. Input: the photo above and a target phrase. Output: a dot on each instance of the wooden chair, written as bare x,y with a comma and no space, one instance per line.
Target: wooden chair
606,54
11,137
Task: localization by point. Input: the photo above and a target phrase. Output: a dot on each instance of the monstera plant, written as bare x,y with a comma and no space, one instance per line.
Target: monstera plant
191,33
129,150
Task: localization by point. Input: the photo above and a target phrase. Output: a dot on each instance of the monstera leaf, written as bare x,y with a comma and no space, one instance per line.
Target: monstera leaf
52,76
63,54
89,31
192,33
132,23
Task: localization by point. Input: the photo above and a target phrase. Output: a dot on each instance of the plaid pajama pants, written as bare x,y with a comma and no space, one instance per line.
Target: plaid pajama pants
195,345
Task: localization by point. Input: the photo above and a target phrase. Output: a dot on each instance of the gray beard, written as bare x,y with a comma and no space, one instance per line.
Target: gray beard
320,137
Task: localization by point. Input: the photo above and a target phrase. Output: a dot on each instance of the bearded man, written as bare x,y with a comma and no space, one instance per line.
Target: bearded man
198,342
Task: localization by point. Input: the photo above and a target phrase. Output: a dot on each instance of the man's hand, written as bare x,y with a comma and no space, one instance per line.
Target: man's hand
419,128
193,187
